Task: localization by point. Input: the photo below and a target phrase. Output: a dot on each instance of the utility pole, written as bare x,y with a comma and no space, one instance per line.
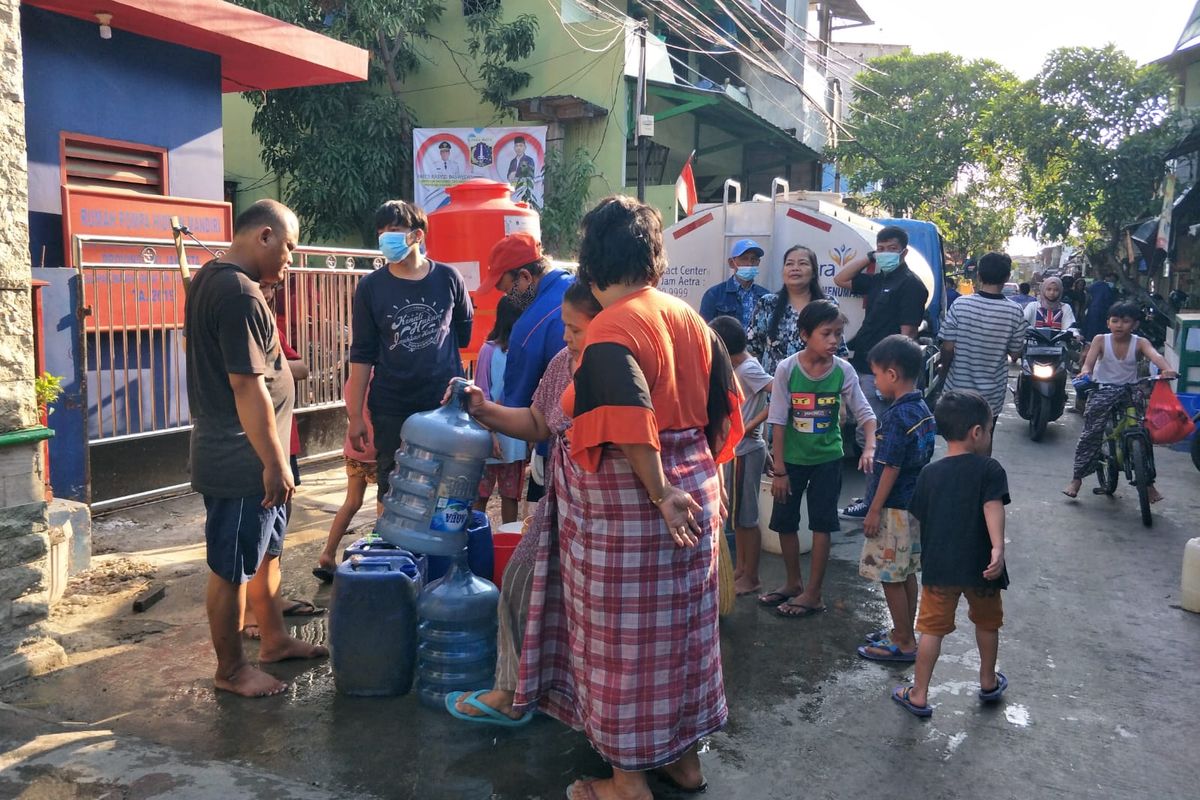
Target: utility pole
640,111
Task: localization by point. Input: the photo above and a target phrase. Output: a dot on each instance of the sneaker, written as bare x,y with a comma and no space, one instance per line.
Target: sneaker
856,510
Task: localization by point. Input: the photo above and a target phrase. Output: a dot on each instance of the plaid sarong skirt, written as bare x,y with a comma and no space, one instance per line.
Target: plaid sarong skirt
622,640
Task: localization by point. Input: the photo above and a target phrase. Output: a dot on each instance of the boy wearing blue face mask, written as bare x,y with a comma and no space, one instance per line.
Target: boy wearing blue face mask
410,319
737,296
894,299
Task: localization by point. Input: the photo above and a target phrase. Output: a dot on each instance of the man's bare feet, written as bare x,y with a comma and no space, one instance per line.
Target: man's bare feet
1155,496
290,648
249,681
595,789
1072,489
497,699
684,774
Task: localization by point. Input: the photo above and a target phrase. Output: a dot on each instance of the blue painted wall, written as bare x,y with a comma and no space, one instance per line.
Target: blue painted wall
68,415
129,88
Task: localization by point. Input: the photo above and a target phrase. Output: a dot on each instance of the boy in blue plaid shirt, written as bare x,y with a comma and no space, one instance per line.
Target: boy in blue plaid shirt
904,445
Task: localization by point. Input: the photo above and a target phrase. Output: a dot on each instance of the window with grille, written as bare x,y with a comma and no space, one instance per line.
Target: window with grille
92,163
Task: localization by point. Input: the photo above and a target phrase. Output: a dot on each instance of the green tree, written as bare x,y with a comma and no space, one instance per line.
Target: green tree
914,126
345,148
972,222
1086,139
567,180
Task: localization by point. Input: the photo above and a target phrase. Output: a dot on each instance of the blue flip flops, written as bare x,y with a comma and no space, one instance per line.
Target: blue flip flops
900,695
874,637
491,716
894,653
997,693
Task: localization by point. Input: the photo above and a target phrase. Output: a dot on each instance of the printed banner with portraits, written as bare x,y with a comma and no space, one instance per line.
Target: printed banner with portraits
445,157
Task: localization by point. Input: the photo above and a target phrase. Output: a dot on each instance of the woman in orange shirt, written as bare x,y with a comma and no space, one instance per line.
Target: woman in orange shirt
655,407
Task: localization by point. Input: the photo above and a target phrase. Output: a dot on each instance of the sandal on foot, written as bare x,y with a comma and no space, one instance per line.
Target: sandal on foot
666,779
795,610
301,608
775,598
491,716
900,695
875,637
893,653
995,694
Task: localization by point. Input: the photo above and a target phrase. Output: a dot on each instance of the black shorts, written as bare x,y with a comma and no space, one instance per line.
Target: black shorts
387,429
239,533
823,483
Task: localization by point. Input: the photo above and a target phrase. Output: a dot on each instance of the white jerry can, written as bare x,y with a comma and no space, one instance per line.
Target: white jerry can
1189,594
698,245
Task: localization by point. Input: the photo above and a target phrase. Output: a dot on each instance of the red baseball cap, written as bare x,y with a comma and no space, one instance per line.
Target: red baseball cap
512,252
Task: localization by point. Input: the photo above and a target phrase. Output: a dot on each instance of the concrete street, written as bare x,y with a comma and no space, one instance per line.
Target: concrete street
1103,698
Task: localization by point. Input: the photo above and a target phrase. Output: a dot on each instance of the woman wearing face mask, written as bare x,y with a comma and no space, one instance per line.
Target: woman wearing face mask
410,319
1050,311
773,332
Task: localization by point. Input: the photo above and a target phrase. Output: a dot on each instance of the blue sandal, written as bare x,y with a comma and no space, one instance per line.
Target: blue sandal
491,715
894,653
997,693
900,695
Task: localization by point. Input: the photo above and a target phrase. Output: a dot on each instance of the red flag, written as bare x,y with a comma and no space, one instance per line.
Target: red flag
685,187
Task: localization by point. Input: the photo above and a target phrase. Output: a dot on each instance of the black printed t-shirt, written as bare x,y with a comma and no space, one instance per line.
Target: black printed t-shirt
948,502
228,329
410,331
891,299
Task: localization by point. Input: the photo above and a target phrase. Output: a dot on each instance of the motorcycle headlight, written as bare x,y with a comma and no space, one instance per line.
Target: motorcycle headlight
1044,371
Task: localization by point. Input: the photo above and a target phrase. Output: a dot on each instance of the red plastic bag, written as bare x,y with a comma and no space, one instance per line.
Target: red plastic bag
1166,418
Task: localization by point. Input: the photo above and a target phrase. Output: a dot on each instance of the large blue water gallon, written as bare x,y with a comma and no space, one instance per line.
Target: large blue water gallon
481,558
438,466
373,545
373,625
456,635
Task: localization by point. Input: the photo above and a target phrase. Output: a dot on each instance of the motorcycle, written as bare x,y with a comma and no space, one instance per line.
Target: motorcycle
1041,392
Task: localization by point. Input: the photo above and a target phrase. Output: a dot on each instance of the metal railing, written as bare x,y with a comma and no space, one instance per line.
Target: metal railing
131,300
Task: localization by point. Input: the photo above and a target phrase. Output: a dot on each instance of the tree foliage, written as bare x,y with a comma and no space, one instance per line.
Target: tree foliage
568,180
915,125
972,222
345,148
1086,139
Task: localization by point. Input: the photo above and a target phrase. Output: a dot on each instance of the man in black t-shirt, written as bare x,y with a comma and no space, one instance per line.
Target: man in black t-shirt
241,393
959,502
410,319
894,298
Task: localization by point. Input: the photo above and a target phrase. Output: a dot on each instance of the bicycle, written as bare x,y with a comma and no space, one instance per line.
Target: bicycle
1127,448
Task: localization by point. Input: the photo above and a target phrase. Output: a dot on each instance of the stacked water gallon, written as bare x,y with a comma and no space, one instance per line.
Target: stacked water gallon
427,510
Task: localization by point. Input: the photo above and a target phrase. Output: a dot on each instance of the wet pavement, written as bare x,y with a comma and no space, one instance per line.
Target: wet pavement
1101,661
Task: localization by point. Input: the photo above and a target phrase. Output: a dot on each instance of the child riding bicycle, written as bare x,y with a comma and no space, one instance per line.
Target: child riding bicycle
1112,363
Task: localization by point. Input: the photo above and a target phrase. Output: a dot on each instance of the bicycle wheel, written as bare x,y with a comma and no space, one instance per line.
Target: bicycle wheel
1108,472
1140,465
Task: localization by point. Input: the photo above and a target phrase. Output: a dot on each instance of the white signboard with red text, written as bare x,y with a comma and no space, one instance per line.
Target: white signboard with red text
448,156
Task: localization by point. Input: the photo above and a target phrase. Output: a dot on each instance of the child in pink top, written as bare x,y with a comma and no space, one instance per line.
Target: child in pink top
360,473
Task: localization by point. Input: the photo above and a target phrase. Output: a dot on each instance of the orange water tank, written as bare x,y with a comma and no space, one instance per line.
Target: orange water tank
462,234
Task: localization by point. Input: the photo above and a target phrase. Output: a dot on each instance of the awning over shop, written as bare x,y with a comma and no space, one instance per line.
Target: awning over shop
256,51
849,9
556,108
739,122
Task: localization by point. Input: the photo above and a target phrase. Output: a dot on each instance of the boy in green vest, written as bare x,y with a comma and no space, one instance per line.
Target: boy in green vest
806,401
